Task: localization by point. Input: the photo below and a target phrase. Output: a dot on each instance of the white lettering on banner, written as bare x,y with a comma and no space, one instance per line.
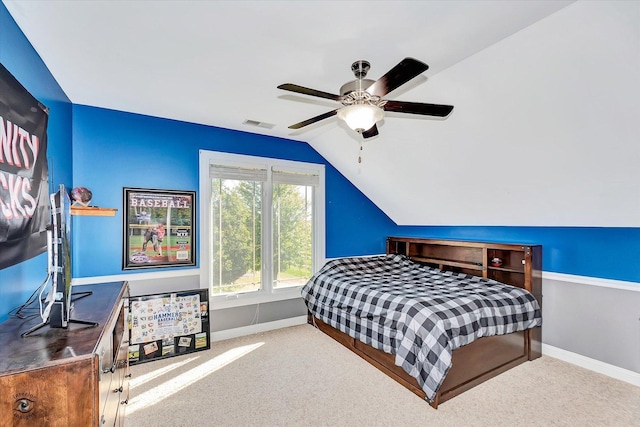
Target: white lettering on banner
12,145
20,149
18,193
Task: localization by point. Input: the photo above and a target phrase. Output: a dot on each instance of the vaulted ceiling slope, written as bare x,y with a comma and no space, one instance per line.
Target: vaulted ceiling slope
219,63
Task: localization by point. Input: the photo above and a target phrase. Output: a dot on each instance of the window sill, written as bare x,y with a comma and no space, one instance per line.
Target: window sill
221,302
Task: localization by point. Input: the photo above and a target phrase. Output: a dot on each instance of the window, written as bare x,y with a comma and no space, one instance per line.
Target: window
262,223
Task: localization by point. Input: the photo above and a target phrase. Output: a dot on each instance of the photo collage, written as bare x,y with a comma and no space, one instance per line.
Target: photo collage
166,325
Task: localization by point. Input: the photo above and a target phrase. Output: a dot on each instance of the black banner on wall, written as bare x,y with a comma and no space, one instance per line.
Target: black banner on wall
24,207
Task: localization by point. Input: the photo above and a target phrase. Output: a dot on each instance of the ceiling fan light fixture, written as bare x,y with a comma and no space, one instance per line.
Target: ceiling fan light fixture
363,101
361,117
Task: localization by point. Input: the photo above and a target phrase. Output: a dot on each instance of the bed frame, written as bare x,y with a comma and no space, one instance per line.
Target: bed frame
487,357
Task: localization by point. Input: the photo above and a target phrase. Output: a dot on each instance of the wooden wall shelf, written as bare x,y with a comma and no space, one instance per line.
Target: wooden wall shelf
92,211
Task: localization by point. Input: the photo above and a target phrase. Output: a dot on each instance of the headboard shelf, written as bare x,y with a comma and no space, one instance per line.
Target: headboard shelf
519,265
443,262
510,270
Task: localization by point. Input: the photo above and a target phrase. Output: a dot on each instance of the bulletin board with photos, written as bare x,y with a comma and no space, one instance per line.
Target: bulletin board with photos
168,324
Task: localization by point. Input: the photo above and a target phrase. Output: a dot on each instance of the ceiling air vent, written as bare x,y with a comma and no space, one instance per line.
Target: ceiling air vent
258,124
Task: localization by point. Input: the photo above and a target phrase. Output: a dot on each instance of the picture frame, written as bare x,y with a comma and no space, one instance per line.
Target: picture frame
168,324
158,228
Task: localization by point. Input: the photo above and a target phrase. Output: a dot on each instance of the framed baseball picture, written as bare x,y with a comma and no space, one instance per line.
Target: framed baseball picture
159,228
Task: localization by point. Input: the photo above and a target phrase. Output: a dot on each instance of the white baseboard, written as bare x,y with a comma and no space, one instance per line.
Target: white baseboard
607,369
257,328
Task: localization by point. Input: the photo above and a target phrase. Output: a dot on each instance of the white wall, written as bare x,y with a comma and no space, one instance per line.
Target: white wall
545,130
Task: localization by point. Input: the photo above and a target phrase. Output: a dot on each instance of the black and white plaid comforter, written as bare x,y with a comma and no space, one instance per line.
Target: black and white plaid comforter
418,313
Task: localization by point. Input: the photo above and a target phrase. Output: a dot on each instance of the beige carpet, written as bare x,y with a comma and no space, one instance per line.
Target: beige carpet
300,377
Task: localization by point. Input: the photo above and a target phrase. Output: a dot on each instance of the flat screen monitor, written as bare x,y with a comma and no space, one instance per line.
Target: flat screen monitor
59,302
61,258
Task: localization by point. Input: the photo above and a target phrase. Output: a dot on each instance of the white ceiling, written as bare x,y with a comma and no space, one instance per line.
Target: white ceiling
219,62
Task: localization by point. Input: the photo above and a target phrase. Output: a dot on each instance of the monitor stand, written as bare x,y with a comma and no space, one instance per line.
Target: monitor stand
55,316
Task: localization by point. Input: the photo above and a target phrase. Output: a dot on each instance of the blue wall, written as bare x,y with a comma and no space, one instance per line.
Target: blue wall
18,56
113,149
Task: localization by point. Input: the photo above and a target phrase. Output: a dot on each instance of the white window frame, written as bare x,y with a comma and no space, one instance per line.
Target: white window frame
266,293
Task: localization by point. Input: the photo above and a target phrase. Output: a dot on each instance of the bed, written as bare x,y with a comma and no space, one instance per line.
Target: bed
437,316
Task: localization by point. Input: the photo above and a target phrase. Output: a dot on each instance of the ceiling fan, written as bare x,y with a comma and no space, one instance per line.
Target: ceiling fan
363,105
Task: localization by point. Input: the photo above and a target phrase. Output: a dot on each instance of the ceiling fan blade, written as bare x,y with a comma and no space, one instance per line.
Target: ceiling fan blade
418,108
407,69
373,131
306,91
314,119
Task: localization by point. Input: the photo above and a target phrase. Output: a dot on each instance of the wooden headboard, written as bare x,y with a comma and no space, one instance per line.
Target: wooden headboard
520,265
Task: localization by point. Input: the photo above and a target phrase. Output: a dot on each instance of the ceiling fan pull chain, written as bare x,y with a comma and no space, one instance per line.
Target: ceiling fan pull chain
360,154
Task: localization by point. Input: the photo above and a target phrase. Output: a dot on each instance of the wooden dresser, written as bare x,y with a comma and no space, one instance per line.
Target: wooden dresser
77,376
